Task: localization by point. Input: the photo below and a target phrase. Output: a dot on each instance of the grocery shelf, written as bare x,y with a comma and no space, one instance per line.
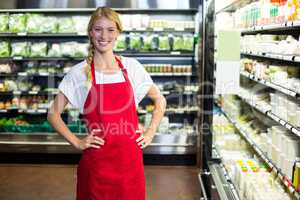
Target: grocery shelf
293,59
90,10
282,27
128,54
284,123
172,143
279,88
284,179
84,35
28,93
224,183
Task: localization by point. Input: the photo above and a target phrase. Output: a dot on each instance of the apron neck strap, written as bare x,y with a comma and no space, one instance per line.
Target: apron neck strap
120,65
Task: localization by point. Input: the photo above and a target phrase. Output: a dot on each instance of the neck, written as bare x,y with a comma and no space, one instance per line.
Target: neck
104,60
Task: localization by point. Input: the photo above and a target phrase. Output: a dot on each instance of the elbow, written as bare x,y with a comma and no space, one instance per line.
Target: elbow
51,115
163,103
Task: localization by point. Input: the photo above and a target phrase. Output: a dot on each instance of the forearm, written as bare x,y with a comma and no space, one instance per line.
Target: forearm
158,113
59,125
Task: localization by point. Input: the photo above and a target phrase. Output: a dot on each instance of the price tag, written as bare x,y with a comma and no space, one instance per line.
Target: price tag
41,110
282,122
3,111
288,126
33,92
31,111
22,34
82,33
175,53
17,92
296,131
17,58
22,73
44,74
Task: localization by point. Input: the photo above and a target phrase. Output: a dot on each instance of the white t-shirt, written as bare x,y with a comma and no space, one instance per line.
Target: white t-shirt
74,84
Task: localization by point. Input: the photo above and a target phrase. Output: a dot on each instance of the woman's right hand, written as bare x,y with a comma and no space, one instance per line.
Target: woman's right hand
90,141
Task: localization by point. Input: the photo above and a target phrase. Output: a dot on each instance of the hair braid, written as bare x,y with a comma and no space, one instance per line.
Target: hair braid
89,60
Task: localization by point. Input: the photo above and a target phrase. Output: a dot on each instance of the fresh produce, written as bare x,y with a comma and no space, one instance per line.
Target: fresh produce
4,49
54,50
148,43
17,23
38,49
163,43
81,23
19,49
49,25
188,43
4,18
10,85
66,25
34,23
120,43
178,43
81,50
135,42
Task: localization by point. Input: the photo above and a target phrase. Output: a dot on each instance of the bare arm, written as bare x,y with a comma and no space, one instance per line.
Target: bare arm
54,118
157,114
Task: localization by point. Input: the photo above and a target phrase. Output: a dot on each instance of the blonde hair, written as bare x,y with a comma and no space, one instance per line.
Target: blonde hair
97,14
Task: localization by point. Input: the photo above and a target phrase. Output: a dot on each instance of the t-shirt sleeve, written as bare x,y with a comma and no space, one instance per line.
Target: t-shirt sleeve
142,81
68,87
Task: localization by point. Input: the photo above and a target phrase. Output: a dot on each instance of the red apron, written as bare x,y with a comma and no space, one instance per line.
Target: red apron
116,170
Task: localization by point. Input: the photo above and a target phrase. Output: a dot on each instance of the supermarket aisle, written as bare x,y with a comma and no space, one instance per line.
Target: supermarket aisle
48,182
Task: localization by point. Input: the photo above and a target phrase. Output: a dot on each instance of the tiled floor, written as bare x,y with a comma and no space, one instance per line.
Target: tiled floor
57,182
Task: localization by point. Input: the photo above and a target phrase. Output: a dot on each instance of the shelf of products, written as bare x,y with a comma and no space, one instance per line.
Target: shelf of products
284,178
36,55
293,59
279,88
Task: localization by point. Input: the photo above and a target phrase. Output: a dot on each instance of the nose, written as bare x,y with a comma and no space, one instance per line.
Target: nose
103,34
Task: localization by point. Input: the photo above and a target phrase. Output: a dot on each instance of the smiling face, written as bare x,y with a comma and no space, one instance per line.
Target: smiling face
103,34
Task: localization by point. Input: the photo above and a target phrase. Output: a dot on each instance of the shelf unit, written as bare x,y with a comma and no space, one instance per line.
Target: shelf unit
275,170
292,28
292,59
268,113
266,83
163,144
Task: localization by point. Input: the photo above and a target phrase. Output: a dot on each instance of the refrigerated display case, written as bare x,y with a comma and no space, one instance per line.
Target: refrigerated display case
253,138
35,56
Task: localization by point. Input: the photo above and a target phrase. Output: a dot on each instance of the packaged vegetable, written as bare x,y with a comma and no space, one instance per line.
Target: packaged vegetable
68,48
163,43
54,50
178,43
4,18
49,25
188,42
120,43
34,23
10,85
19,49
81,50
135,42
66,25
81,23
149,43
4,49
17,23
38,49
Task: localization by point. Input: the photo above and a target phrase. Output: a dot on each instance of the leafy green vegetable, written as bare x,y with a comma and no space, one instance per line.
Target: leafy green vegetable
164,44
4,18
19,49
135,42
4,49
49,25
66,25
188,43
38,49
120,43
17,23
34,23
148,43
178,43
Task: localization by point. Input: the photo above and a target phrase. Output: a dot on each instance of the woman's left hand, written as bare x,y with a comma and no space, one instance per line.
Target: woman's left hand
145,139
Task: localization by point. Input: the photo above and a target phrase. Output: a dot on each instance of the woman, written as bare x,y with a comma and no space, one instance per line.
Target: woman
106,88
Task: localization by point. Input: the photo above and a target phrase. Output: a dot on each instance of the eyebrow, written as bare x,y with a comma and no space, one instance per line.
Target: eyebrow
97,26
